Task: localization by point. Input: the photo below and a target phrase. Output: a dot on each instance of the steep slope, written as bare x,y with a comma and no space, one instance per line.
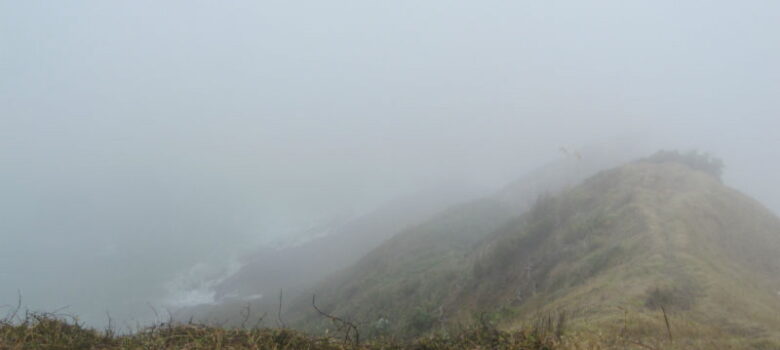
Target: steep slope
639,237
612,252
268,270
292,269
409,270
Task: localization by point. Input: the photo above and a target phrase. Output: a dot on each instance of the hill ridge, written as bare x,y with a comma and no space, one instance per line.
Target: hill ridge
645,235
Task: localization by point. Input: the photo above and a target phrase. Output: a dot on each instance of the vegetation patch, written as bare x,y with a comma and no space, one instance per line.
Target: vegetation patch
51,332
693,159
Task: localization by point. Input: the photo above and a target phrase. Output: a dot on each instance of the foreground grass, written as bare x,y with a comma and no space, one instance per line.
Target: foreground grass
48,331
43,331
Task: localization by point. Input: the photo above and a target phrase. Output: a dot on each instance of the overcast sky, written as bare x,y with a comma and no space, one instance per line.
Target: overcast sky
140,137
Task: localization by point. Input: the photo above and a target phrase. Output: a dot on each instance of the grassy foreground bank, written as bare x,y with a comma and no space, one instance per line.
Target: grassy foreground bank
48,331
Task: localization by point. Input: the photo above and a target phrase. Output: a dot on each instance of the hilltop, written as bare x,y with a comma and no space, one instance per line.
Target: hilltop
654,242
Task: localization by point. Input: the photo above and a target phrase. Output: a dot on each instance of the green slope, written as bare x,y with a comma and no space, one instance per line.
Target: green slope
405,276
611,252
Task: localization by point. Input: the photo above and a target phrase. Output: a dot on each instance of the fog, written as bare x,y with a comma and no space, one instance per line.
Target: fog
141,139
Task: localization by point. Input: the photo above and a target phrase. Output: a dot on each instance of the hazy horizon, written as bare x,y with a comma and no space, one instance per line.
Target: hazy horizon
139,139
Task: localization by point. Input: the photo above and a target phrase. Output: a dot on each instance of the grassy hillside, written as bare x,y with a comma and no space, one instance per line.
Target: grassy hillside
629,251
655,254
298,268
409,269
267,271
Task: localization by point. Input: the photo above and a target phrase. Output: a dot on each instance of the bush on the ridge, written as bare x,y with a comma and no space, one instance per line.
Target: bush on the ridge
699,161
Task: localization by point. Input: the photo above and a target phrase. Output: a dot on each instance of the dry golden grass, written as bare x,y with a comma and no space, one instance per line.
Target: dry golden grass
51,332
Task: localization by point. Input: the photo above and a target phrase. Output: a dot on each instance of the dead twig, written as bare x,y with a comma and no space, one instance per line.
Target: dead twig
12,316
279,313
666,319
246,312
342,325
